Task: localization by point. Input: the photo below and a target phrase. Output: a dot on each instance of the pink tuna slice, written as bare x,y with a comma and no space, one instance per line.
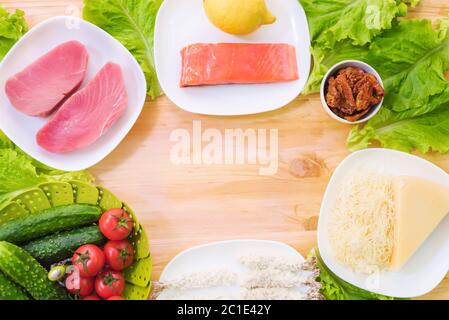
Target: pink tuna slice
88,114
42,86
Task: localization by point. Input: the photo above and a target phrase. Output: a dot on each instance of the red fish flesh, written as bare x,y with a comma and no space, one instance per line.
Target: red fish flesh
88,114
237,63
42,86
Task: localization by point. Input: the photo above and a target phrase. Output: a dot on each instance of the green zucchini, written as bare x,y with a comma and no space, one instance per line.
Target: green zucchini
60,246
48,222
24,270
11,291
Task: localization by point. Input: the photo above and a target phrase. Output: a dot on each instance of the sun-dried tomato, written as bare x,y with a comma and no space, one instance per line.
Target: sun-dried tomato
352,93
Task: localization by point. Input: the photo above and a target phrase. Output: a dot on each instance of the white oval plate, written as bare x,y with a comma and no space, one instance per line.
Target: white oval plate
102,48
428,266
222,255
183,22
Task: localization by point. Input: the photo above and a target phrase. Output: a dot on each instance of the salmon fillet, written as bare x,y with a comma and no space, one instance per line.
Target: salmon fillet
88,114
237,63
42,86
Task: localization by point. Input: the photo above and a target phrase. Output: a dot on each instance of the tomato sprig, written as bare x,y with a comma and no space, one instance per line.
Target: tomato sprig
123,254
109,283
89,259
122,222
119,254
83,258
116,224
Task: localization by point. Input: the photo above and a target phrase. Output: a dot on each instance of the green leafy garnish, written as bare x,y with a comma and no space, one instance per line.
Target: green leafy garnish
360,21
16,171
132,23
12,27
334,288
324,59
411,56
339,27
412,59
19,171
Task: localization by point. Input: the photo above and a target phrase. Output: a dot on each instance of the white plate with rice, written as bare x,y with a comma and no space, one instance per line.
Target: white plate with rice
428,265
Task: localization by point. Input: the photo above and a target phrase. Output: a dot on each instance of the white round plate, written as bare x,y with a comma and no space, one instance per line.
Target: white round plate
222,255
183,22
102,48
428,266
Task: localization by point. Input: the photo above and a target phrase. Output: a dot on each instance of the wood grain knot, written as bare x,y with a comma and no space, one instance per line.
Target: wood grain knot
311,223
305,168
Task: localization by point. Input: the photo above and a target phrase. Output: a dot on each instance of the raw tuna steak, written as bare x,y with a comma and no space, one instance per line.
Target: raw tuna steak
88,114
238,63
43,85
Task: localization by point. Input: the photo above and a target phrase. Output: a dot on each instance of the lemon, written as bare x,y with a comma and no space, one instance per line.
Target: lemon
238,17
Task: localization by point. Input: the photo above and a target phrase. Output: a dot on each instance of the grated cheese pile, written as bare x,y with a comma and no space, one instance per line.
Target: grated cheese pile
361,223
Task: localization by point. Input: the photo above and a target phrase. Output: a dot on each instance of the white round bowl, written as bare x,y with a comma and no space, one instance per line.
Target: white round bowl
341,65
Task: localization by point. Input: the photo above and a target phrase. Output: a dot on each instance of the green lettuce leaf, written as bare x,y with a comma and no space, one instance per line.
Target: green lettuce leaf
5,142
20,171
12,27
132,23
324,59
428,132
334,288
331,21
412,59
342,30
17,171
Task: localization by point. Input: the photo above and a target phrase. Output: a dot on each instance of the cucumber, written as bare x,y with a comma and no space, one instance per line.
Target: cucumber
60,246
24,270
11,291
48,222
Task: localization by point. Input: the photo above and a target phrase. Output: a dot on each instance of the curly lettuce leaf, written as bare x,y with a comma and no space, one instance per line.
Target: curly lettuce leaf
334,288
5,142
19,171
428,132
412,60
324,59
331,21
132,23
340,29
12,27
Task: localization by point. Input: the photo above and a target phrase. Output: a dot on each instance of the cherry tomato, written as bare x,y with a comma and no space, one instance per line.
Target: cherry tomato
116,224
89,259
91,298
109,283
119,254
78,285
116,298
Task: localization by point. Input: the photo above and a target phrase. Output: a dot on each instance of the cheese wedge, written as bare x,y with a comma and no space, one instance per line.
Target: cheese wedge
420,206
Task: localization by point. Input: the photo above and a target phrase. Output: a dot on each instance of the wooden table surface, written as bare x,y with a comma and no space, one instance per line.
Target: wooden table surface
188,205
